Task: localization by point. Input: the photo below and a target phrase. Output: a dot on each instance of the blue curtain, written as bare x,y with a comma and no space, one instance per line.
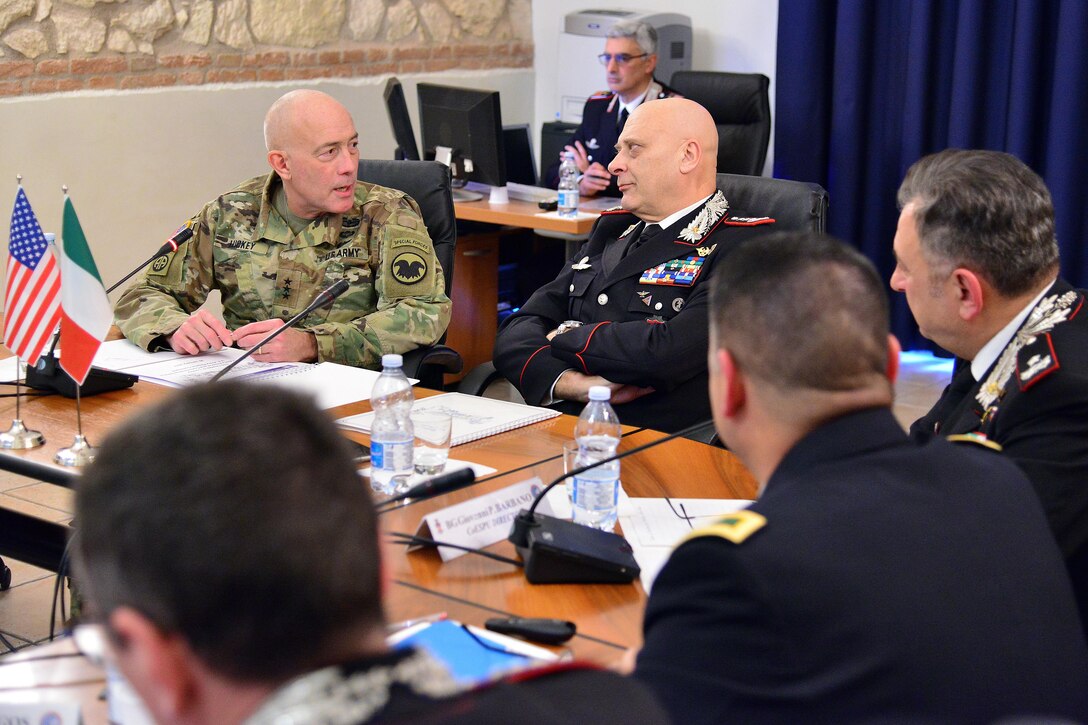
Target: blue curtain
864,89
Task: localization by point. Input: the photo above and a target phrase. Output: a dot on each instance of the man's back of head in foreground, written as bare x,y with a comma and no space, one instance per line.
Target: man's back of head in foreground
228,525
804,319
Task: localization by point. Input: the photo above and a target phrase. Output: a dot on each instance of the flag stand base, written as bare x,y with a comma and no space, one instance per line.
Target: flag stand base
80,453
48,375
19,437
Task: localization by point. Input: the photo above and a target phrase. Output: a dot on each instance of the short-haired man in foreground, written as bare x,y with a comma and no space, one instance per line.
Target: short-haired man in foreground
246,585
275,241
977,259
873,580
629,309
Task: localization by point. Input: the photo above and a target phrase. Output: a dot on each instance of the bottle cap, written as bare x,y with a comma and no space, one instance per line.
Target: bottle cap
392,360
600,392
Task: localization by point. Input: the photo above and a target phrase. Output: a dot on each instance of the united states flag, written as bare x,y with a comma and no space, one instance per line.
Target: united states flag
32,298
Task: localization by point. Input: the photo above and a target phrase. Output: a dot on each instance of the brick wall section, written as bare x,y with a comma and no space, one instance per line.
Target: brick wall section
26,77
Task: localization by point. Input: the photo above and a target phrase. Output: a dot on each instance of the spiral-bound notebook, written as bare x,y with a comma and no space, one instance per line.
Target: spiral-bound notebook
473,417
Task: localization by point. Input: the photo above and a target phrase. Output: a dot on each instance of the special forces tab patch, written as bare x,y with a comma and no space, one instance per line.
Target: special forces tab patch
409,268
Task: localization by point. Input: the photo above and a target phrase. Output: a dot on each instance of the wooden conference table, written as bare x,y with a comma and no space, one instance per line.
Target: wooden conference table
470,588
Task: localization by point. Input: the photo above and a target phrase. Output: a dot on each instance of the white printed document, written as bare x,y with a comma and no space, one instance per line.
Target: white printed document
654,526
330,384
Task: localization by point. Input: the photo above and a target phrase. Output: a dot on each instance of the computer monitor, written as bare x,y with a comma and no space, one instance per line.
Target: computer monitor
462,128
400,121
518,146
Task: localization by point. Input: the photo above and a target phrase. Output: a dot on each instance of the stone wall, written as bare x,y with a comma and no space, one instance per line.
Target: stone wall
49,46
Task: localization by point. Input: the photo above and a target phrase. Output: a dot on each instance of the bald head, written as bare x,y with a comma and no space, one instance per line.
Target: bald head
314,148
666,157
292,111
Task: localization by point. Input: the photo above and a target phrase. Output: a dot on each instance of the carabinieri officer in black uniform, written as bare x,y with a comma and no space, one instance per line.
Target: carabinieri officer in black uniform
629,310
630,56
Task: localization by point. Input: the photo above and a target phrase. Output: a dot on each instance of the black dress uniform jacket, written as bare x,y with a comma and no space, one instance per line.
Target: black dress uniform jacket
644,315
1038,413
600,130
888,583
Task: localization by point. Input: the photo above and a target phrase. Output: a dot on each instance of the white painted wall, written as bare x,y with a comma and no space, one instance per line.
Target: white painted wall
739,36
140,163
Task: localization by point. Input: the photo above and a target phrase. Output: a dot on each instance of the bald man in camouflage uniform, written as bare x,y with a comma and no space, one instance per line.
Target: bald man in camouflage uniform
275,241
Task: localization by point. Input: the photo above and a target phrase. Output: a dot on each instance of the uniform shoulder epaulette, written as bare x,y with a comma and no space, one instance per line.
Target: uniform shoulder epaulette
736,527
600,95
748,221
615,210
978,439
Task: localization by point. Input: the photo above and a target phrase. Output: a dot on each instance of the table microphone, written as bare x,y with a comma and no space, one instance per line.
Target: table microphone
182,235
436,486
556,551
323,298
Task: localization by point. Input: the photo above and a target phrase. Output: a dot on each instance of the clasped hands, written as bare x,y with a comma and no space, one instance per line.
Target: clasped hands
204,331
573,385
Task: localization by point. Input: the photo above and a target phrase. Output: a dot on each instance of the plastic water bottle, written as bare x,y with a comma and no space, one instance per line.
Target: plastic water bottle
596,491
568,186
391,439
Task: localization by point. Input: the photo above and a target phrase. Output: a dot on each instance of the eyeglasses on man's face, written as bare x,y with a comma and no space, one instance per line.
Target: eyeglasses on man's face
621,58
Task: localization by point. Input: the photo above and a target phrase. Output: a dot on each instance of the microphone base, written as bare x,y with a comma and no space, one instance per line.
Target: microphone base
47,374
563,552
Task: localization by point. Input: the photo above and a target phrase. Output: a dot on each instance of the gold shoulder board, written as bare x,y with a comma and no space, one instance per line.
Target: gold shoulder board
735,527
978,439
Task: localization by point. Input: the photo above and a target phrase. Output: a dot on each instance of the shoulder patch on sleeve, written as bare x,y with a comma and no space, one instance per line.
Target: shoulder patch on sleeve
976,438
736,527
748,221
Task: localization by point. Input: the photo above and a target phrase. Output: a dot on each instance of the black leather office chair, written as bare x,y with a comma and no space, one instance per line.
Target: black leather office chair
795,206
428,182
741,107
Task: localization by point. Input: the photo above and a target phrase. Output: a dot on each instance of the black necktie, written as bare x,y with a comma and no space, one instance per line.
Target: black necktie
948,407
648,232
622,119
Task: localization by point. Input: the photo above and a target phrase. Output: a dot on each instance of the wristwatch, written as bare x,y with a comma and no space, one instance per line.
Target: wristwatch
566,325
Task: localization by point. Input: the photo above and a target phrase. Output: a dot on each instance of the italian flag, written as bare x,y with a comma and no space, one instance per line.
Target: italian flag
86,315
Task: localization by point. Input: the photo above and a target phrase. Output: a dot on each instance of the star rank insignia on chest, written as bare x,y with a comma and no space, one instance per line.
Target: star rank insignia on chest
583,264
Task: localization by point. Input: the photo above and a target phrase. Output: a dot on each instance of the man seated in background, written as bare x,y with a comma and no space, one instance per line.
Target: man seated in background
873,580
246,584
271,244
977,259
629,309
630,56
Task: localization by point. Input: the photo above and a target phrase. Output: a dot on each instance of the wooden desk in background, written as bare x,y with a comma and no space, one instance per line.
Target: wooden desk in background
469,588
476,272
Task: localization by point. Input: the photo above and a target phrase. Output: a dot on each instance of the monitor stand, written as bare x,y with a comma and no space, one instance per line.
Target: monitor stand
475,191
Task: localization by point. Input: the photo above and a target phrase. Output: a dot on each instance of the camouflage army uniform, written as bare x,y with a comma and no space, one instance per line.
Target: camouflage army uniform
242,247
